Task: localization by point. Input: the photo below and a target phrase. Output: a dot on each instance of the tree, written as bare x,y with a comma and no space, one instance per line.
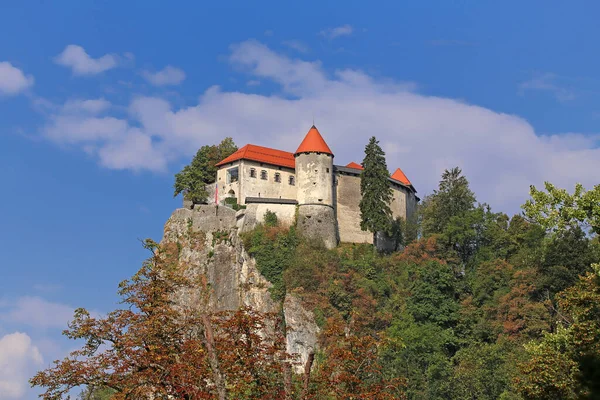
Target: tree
93,393
452,199
352,368
556,209
375,212
159,348
565,364
193,178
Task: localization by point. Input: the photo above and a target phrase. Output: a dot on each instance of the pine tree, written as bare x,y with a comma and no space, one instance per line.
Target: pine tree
375,212
453,198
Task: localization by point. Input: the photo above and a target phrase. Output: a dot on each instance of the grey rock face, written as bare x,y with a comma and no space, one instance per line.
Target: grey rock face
210,246
302,331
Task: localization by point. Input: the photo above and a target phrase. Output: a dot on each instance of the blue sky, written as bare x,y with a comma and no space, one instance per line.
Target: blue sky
102,102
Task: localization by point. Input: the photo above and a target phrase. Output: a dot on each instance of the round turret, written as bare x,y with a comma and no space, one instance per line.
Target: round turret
314,170
314,179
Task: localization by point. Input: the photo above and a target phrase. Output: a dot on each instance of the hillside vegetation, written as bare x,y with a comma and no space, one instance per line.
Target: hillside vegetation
477,305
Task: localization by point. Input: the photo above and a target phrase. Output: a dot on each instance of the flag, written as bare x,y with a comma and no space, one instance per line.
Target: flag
216,193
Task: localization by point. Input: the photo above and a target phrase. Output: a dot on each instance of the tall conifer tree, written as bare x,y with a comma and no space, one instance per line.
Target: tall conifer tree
376,193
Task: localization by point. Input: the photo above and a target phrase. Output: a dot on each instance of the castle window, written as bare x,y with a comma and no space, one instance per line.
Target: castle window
292,180
263,175
277,177
252,173
232,175
327,170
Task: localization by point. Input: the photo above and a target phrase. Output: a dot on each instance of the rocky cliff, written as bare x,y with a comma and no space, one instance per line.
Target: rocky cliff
211,246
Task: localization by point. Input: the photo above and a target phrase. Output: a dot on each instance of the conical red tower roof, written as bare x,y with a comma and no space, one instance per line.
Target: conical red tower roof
399,176
313,143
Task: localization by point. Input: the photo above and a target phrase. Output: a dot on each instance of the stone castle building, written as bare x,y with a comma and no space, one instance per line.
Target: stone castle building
306,187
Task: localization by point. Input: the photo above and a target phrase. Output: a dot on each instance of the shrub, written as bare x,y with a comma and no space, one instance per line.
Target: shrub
270,219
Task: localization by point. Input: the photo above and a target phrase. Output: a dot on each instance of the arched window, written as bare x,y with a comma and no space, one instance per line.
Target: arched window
252,173
292,180
263,175
277,177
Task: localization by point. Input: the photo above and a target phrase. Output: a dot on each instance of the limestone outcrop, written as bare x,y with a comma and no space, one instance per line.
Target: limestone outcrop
211,246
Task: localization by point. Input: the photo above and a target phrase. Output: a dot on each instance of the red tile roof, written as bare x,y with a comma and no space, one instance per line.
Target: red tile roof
313,143
354,165
400,177
263,155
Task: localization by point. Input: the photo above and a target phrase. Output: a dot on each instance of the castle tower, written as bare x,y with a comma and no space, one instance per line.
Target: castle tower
314,179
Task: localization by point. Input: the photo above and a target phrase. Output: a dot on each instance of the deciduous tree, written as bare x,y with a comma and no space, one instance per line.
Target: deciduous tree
193,178
158,348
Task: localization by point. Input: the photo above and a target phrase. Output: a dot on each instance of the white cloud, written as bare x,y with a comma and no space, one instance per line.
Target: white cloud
36,312
167,76
548,82
89,106
13,80
116,143
501,154
332,33
80,62
18,360
48,287
297,45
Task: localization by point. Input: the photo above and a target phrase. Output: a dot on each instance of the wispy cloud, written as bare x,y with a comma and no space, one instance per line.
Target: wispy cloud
81,63
37,312
297,45
167,76
13,80
48,287
548,82
332,33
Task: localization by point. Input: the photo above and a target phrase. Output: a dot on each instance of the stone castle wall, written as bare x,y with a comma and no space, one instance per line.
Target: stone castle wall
254,214
317,223
347,210
347,194
249,186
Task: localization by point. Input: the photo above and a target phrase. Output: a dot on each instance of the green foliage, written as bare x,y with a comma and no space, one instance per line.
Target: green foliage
193,178
274,250
557,209
433,294
230,201
221,236
375,189
270,219
482,306
452,199
568,254
481,372
93,393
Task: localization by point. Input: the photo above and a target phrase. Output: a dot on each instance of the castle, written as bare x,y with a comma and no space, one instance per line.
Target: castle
305,187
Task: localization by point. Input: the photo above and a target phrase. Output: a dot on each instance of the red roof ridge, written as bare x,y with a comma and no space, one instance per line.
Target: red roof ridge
261,154
399,176
354,165
313,143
